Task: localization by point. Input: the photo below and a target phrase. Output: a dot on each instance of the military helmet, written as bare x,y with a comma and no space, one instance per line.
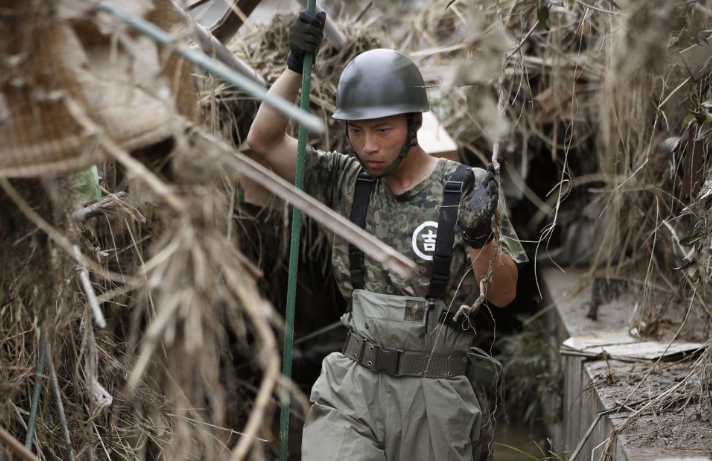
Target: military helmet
380,83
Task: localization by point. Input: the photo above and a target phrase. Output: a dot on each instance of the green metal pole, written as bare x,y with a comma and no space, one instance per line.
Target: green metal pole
294,261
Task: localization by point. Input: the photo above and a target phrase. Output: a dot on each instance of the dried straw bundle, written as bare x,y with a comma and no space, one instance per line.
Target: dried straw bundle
63,61
605,95
165,270
645,157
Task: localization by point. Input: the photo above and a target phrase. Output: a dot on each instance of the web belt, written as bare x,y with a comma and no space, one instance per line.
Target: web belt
403,363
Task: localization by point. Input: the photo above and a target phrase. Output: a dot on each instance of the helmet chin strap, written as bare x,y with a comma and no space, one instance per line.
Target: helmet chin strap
411,141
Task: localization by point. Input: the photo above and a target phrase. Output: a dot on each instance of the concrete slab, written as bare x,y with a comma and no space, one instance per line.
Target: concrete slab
678,429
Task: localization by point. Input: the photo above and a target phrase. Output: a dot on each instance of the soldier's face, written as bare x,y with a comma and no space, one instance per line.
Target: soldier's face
378,141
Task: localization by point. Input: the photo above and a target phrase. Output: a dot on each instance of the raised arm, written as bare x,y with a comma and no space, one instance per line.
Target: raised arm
474,218
267,136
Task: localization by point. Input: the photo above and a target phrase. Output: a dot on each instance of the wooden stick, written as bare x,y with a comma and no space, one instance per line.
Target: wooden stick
331,220
89,290
107,204
13,444
211,46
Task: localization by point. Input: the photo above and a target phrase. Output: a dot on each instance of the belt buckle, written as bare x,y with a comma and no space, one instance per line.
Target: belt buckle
386,360
360,344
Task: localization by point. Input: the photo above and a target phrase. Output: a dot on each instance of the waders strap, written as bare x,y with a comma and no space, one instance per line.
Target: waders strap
446,234
403,363
364,186
446,230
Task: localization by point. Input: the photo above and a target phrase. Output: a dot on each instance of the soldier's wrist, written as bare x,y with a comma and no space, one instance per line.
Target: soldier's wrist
294,63
477,241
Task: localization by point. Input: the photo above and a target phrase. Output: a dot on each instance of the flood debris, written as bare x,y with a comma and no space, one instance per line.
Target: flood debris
600,113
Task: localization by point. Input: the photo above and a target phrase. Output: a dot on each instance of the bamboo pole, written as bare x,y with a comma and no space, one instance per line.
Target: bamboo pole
13,444
213,47
310,122
336,223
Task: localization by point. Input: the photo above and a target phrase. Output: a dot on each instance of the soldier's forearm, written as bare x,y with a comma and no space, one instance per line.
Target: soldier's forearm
269,125
502,288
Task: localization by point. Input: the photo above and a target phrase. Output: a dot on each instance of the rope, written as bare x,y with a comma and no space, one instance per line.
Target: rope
294,260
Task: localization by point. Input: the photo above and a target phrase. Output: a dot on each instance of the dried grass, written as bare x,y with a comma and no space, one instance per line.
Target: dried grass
624,97
189,353
180,302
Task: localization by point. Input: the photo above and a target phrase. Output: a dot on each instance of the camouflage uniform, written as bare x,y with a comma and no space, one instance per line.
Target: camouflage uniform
358,413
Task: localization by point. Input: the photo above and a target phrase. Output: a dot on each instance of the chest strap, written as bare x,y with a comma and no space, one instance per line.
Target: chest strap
403,363
443,244
446,234
362,194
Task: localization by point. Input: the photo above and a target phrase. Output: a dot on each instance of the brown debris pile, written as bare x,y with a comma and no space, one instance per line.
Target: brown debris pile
178,352
143,313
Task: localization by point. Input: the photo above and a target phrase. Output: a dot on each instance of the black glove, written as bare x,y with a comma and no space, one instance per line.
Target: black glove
477,206
305,36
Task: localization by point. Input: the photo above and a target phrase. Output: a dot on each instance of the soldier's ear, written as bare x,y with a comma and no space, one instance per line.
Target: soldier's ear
418,121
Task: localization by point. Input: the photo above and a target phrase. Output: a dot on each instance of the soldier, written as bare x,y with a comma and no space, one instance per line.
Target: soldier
406,385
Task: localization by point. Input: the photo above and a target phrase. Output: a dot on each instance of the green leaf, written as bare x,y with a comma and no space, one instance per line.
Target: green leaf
689,240
688,118
684,266
516,450
693,272
450,3
542,15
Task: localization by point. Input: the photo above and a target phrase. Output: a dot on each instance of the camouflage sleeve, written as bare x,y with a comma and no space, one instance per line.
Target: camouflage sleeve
325,172
509,242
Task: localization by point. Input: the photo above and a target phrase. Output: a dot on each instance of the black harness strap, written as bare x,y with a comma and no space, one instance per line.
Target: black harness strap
446,230
362,194
446,234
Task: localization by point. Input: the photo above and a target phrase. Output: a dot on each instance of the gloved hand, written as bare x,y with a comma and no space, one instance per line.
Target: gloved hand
305,36
477,206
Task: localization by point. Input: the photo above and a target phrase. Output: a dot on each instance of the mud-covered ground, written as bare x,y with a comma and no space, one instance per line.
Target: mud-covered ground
677,425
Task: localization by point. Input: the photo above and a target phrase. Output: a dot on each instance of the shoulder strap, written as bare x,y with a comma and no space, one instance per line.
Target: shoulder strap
446,234
446,230
362,194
